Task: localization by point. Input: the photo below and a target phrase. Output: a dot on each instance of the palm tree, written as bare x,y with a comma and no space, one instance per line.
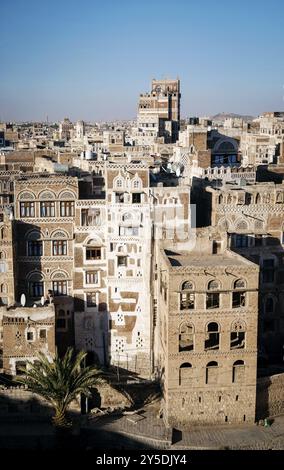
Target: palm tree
61,381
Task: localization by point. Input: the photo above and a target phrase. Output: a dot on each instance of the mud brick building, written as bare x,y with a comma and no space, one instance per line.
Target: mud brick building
207,349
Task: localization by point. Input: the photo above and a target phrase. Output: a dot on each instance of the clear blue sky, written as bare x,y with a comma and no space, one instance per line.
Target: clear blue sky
90,59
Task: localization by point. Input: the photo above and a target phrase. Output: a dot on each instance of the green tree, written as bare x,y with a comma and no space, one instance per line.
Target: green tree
61,381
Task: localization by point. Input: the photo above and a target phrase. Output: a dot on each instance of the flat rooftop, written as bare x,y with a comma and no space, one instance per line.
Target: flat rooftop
203,259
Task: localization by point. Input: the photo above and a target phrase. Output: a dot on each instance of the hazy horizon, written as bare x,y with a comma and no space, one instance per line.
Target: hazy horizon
91,60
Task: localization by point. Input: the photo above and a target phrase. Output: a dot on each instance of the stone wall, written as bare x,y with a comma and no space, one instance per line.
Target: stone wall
270,396
16,402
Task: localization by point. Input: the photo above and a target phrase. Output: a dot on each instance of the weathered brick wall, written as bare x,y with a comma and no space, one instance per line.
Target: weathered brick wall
270,396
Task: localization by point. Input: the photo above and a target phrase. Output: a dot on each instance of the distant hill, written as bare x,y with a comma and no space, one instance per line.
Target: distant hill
222,116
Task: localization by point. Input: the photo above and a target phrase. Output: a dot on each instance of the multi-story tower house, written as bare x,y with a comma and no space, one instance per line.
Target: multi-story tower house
65,129
6,259
159,112
207,350
128,241
112,266
90,267
253,217
6,270
44,227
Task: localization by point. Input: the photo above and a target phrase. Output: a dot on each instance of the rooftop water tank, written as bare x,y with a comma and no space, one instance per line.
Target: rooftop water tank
89,155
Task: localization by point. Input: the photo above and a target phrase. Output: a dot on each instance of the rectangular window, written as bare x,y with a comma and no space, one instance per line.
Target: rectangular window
136,198
36,289
212,300
42,334
119,198
129,231
67,209
34,248
47,209
239,299
237,340
59,247
268,270
27,209
3,267
21,367
90,217
91,299
122,261
30,336
59,287
93,254
187,301
92,277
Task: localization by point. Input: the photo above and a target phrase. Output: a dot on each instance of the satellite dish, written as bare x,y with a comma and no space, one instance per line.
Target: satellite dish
42,300
23,300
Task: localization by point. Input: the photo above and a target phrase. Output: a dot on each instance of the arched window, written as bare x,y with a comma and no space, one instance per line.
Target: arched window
3,267
187,296
242,225
240,284
213,298
269,305
2,255
212,339
248,198
2,233
36,284
4,288
185,374
187,285
239,296
212,372
257,199
238,335
238,374
213,285
221,199
119,183
136,184
186,337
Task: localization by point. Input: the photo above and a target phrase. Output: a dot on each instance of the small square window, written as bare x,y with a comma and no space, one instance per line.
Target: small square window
122,261
30,336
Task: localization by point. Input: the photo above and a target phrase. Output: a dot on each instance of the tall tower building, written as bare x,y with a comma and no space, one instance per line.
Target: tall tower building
159,110
80,130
